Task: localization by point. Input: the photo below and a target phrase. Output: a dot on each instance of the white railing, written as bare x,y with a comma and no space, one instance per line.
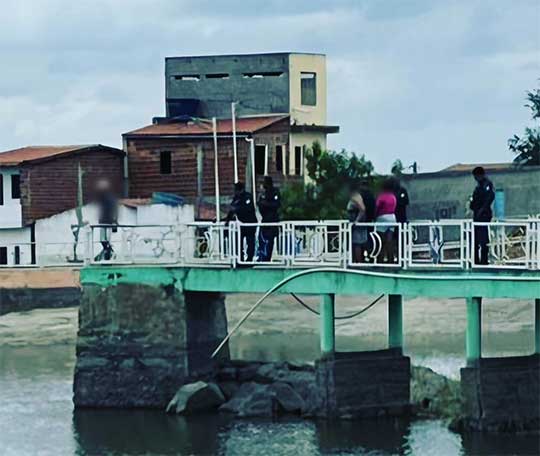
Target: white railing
450,244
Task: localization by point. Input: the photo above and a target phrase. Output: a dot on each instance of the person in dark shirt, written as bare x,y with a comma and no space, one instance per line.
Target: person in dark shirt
269,202
480,204
402,199
243,209
107,216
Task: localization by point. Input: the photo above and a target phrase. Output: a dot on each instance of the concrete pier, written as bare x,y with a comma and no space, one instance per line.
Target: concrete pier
137,344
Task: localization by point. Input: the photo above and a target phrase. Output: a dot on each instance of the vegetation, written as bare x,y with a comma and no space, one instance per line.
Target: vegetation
325,196
527,147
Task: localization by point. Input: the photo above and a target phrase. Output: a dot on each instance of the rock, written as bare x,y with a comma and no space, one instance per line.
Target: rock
248,372
251,400
287,398
271,372
195,397
229,389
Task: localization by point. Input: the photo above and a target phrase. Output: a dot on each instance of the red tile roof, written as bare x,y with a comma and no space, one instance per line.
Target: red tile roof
204,126
34,153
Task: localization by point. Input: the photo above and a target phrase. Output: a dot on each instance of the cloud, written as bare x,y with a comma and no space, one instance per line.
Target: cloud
428,81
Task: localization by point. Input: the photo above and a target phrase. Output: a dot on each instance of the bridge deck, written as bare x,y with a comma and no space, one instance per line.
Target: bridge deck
447,284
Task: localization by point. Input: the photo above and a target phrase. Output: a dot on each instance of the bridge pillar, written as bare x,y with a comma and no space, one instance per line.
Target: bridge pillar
138,343
537,326
474,330
327,327
395,322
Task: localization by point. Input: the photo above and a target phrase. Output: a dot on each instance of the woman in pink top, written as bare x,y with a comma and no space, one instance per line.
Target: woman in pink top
385,208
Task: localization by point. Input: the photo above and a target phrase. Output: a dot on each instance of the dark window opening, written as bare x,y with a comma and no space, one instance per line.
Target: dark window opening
165,162
260,160
308,89
298,160
187,77
17,255
3,255
279,159
263,74
15,186
217,76
1,190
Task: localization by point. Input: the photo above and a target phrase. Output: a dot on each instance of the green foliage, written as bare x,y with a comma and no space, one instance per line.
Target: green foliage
397,168
527,147
326,195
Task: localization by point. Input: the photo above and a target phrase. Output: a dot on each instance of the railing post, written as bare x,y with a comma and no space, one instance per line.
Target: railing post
395,321
474,330
327,330
537,325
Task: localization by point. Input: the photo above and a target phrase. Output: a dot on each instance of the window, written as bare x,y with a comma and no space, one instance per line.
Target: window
165,162
1,190
187,77
3,255
308,89
279,159
15,186
17,255
263,74
261,160
217,76
298,160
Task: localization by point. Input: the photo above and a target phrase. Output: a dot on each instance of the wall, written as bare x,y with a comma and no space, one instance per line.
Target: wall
17,237
50,187
269,94
10,210
301,114
144,156
446,195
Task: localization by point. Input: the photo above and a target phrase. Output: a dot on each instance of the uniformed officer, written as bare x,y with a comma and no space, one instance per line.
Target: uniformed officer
269,202
402,201
480,204
243,209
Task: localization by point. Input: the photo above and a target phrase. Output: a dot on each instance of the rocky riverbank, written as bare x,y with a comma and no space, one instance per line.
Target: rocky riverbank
268,390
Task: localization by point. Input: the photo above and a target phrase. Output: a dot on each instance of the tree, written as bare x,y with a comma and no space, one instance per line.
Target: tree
527,147
325,196
397,168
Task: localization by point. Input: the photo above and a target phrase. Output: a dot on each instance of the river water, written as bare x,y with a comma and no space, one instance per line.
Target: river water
37,415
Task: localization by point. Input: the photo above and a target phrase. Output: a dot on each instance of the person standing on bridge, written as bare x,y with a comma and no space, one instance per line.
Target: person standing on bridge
385,213
108,217
243,209
480,204
269,203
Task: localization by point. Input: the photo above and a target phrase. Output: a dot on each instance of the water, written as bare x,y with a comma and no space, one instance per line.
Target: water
37,416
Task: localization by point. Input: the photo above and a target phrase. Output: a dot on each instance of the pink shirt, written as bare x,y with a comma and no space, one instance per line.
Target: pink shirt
386,204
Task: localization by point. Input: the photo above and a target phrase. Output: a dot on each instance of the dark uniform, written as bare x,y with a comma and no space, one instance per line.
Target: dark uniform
402,199
243,209
269,203
481,200
108,215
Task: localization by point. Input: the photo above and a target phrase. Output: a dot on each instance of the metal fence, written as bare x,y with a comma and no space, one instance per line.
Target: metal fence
443,244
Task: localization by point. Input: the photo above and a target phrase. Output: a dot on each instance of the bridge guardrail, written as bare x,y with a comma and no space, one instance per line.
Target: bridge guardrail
513,244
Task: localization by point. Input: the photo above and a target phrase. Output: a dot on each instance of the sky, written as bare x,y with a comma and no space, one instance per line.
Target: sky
436,82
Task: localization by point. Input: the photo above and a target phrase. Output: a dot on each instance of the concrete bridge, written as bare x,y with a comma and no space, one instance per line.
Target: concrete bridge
146,329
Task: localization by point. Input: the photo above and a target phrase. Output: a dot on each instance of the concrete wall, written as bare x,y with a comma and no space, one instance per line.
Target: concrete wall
255,95
446,195
302,114
16,237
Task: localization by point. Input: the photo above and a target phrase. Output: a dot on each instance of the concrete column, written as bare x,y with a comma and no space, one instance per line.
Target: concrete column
537,325
327,330
474,330
395,321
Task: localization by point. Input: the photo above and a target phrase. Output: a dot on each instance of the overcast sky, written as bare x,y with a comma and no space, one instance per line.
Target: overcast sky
437,82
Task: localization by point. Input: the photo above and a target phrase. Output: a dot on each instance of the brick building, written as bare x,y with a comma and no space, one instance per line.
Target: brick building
39,181
177,156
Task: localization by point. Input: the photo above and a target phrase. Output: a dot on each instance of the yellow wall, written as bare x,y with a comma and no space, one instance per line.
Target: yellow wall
300,114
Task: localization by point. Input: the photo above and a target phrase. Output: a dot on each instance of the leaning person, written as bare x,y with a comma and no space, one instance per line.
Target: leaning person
356,211
108,217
